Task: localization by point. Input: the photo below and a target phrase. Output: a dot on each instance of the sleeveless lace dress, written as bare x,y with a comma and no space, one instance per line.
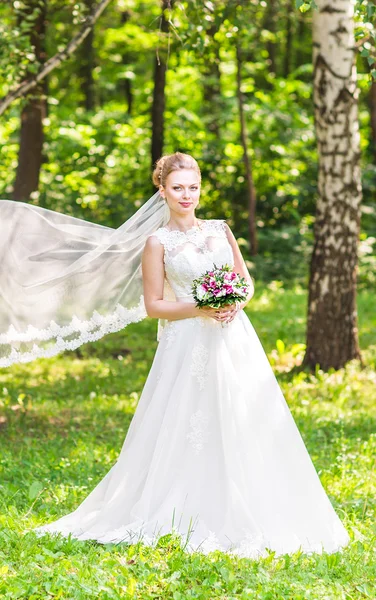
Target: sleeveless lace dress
213,452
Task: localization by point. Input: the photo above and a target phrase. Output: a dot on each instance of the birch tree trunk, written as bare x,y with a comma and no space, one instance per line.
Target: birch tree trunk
332,334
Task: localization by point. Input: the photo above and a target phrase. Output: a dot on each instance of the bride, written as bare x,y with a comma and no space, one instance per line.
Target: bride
212,453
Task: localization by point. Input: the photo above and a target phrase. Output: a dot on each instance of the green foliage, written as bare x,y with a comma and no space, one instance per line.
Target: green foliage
304,6
96,165
63,421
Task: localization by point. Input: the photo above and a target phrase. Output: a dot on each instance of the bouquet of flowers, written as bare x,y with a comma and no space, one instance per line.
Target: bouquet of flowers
218,287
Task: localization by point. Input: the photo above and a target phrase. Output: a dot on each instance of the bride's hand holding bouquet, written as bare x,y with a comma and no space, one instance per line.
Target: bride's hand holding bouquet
220,292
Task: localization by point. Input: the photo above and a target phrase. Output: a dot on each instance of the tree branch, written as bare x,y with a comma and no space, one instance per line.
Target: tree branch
25,86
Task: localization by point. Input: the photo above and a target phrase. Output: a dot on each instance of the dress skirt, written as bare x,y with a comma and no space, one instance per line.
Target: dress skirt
212,454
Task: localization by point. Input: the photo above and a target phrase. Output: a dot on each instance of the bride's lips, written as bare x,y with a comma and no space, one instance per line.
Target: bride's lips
185,204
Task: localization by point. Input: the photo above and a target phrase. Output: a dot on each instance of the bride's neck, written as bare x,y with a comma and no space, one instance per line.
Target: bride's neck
182,222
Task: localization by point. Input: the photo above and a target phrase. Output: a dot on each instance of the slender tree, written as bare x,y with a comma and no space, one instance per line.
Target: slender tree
270,25
290,20
87,64
34,111
126,84
251,191
372,109
212,83
332,334
302,31
159,99
23,88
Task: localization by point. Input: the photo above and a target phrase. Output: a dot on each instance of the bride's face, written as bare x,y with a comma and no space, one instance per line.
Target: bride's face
182,191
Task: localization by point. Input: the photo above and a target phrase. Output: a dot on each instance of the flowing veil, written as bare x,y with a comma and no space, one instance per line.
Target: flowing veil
66,281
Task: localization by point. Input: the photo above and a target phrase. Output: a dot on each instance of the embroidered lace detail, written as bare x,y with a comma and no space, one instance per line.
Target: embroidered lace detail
89,331
200,356
171,239
211,543
170,331
181,272
250,546
188,254
202,321
199,433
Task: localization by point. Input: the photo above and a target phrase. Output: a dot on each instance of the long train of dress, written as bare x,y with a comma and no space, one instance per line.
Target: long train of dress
213,452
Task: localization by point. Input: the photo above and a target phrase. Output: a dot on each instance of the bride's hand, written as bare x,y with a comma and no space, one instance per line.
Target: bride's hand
225,314
228,313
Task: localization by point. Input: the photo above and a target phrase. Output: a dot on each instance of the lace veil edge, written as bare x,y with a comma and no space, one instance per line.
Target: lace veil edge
65,281
58,337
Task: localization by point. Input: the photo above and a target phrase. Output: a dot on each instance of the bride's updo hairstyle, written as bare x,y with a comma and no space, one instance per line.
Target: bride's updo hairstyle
173,162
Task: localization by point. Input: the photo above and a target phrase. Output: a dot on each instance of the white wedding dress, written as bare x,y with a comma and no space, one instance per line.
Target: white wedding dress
212,453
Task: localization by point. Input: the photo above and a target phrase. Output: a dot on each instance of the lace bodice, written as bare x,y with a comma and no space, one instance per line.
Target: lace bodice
188,254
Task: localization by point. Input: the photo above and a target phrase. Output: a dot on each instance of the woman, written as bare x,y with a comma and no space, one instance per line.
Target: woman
212,453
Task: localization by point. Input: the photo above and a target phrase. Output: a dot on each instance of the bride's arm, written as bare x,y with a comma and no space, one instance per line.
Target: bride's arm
153,280
239,265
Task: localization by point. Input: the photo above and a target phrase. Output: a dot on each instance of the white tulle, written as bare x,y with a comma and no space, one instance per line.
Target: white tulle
64,281
84,331
213,453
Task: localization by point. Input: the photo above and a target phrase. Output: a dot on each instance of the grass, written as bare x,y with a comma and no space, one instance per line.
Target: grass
63,421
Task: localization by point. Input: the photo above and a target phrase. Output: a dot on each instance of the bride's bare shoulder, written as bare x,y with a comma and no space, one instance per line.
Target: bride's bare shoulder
157,235
154,240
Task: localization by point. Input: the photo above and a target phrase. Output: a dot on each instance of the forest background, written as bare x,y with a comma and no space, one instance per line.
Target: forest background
101,113
95,127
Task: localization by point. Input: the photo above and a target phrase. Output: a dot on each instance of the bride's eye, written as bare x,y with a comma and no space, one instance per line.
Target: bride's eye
177,187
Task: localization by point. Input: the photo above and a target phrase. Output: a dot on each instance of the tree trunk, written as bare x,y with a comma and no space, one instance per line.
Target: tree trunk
87,64
158,107
126,84
270,25
301,28
31,83
372,109
33,113
291,15
212,85
332,334
251,191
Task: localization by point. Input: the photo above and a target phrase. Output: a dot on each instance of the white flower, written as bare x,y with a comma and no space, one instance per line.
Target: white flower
201,292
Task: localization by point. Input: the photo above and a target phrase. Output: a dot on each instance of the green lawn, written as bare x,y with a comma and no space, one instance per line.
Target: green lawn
62,424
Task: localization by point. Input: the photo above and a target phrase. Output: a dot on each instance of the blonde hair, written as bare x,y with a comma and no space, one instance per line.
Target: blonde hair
173,162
